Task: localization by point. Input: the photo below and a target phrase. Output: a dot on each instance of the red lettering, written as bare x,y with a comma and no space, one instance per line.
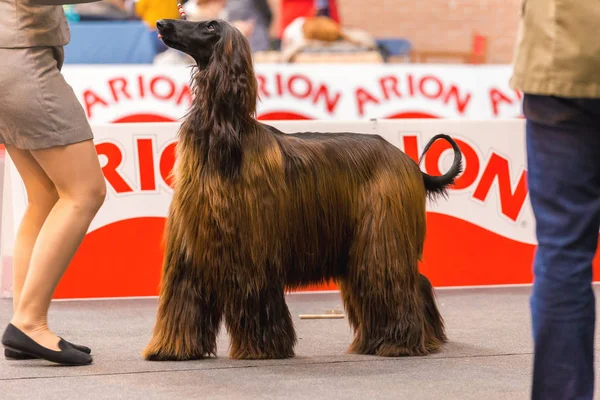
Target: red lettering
146,164
300,87
171,87
363,97
141,85
115,157
411,85
411,147
430,87
330,103
497,97
118,86
262,82
279,84
167,162
519,94
185,94
471,160
294,89
461,104
389,84
90,99
511,202
438,88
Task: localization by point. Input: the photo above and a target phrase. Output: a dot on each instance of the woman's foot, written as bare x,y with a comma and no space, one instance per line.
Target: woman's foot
39,333
17,355
50,347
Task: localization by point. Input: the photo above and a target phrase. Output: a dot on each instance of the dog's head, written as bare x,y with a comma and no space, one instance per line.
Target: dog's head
224,82
202,40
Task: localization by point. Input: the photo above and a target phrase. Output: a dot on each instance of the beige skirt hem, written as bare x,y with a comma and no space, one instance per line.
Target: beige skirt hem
72,136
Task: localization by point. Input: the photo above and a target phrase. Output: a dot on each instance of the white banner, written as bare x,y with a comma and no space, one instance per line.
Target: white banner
125,93
491,192
487,216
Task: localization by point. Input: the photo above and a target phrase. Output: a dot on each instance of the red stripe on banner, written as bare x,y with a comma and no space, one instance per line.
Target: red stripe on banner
459,253
282,116
118,260
268,116
412,115
144,118
125,259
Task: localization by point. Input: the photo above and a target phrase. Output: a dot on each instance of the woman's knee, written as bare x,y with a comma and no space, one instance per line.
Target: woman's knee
89,198
96,195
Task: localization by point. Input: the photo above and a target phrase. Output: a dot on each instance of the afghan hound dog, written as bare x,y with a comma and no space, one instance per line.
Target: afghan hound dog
256,212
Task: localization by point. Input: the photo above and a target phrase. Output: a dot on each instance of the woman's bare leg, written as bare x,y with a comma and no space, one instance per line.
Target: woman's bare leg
77,176
42,196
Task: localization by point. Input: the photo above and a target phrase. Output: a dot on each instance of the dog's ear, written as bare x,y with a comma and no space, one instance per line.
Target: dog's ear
231,73
232,89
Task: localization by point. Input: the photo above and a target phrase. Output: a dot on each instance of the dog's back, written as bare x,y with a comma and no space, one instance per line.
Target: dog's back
333,180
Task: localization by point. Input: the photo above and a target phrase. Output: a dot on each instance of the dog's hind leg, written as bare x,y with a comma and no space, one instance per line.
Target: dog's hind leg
389,310
189,315
350,306
434,319
260,324
395,313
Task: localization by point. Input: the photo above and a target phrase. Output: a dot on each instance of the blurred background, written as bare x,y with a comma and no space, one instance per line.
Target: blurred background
377,31
331,61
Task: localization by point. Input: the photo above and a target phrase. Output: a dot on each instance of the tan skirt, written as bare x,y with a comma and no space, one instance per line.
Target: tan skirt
38,108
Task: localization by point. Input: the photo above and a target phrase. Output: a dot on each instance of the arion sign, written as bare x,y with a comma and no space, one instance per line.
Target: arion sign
306,92
484,234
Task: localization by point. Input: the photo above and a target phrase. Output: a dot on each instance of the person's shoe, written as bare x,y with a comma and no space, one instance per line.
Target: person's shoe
79,347
17,355
16,341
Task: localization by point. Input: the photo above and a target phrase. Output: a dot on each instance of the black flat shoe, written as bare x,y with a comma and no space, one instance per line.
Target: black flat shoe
15,340
17,355
79,347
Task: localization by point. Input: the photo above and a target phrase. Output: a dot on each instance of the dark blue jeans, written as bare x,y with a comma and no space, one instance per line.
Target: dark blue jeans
563,157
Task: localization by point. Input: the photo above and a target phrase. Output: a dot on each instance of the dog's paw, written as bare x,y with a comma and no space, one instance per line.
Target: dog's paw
391,349
151,353
388,349
255,354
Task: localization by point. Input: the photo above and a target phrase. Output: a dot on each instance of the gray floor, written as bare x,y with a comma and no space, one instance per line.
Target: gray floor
488,357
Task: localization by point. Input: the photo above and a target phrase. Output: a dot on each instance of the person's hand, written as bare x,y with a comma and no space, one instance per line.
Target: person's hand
246,27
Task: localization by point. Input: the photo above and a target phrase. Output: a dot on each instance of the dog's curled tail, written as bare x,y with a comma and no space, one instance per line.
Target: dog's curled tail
438,185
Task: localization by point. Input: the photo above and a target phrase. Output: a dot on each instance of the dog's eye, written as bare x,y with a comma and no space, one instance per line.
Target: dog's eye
210,27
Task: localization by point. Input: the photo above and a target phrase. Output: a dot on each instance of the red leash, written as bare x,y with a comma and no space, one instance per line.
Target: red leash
180,8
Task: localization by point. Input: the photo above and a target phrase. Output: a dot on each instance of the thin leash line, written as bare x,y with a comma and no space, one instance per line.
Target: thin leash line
181,12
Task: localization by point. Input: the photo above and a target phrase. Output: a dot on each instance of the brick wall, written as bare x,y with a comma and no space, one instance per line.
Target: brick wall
437,24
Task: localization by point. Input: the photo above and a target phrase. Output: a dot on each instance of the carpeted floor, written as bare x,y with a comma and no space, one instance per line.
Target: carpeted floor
488,357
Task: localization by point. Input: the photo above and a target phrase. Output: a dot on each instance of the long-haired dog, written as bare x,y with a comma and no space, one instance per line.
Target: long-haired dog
256,211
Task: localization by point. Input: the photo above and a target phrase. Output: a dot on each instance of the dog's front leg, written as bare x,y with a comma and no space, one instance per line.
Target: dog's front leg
189,313
260,324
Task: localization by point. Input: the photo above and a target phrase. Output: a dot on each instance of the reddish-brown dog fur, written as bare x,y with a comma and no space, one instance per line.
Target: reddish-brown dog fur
256,211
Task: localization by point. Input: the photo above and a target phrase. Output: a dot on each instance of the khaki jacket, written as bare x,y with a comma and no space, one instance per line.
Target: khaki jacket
558,49
25,25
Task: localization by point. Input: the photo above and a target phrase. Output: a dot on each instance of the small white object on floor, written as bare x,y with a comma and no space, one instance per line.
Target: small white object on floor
329,314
